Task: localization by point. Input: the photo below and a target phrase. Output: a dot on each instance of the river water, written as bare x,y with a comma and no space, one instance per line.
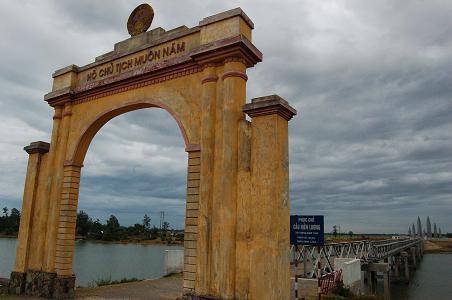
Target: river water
94,261
432,280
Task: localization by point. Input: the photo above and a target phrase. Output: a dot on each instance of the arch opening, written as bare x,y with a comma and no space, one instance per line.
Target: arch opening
140,187
88,134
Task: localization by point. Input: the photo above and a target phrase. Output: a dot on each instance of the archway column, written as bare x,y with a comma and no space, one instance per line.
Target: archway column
204,246
269,221
64,251
229,115
36,152
54,198
191,218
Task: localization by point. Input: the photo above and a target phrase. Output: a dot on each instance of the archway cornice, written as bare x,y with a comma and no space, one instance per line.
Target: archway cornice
237,47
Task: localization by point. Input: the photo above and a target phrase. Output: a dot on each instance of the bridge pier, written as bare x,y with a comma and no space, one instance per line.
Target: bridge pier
396,266
373,282
413,256
406,266
370,271
386,286
419,251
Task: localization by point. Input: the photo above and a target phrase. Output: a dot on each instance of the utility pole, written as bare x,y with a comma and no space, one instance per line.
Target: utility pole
162,219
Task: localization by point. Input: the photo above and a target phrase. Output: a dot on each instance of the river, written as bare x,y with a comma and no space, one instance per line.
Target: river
432,280
94,261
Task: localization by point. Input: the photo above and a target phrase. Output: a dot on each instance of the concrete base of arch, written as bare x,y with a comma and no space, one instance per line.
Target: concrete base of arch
42,284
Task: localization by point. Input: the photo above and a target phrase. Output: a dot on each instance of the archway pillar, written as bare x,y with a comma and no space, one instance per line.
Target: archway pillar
204,250
269,239
55,195
191,219
67,219
36,151
229,115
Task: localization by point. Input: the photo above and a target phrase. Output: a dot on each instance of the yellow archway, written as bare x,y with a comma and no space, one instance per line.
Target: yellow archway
237,212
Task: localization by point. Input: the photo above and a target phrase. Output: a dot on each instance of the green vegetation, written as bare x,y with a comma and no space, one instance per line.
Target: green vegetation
341,290
90,229
9,222
108,281
113,231
350,236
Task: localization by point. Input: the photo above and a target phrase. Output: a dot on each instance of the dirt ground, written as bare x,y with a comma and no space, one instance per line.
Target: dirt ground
438,246
158,289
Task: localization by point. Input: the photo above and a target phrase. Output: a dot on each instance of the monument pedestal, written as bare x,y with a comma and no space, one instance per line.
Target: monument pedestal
42,284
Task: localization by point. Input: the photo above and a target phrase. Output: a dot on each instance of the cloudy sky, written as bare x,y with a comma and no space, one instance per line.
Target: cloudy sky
371,149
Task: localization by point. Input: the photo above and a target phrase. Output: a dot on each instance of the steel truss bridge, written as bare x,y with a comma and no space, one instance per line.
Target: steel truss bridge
367,251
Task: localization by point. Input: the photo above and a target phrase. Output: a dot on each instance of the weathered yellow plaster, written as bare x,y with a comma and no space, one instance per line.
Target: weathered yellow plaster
237,205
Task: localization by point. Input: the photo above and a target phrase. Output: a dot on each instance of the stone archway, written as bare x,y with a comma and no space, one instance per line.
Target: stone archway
237,218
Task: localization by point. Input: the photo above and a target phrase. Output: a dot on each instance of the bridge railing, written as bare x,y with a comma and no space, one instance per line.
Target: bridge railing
307,258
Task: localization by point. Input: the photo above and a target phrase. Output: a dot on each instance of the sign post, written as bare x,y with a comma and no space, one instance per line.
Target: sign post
307,230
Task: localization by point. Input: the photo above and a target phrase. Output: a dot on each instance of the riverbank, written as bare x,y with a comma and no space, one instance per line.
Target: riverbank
133,241
128,241
438,246
8,236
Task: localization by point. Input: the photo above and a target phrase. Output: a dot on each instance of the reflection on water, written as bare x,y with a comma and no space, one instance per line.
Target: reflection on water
7,256
431,281
94,261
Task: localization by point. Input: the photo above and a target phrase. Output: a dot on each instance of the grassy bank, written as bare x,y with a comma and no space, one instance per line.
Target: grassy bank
438,246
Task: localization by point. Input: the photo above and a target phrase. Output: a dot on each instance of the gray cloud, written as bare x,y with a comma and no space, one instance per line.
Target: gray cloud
371,149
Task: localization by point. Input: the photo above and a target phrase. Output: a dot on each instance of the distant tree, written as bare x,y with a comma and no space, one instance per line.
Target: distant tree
136,230
4,220
147,225
335,230
350,233
113,231
9,222
14,220
165,228
97,230
154,232
83,224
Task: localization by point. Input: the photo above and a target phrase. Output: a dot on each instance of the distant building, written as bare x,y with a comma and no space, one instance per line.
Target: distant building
429,228
419,227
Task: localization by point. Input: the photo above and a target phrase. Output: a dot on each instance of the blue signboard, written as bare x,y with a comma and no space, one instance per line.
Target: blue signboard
306,230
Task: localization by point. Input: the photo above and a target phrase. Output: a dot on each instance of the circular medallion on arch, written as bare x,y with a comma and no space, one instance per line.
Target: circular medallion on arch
140,19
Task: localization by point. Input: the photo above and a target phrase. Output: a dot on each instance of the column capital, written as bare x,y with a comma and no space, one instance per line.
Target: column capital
37,147
269,105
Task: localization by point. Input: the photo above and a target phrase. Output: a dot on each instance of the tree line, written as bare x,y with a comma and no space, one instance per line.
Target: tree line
113,231
9,221
91,229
